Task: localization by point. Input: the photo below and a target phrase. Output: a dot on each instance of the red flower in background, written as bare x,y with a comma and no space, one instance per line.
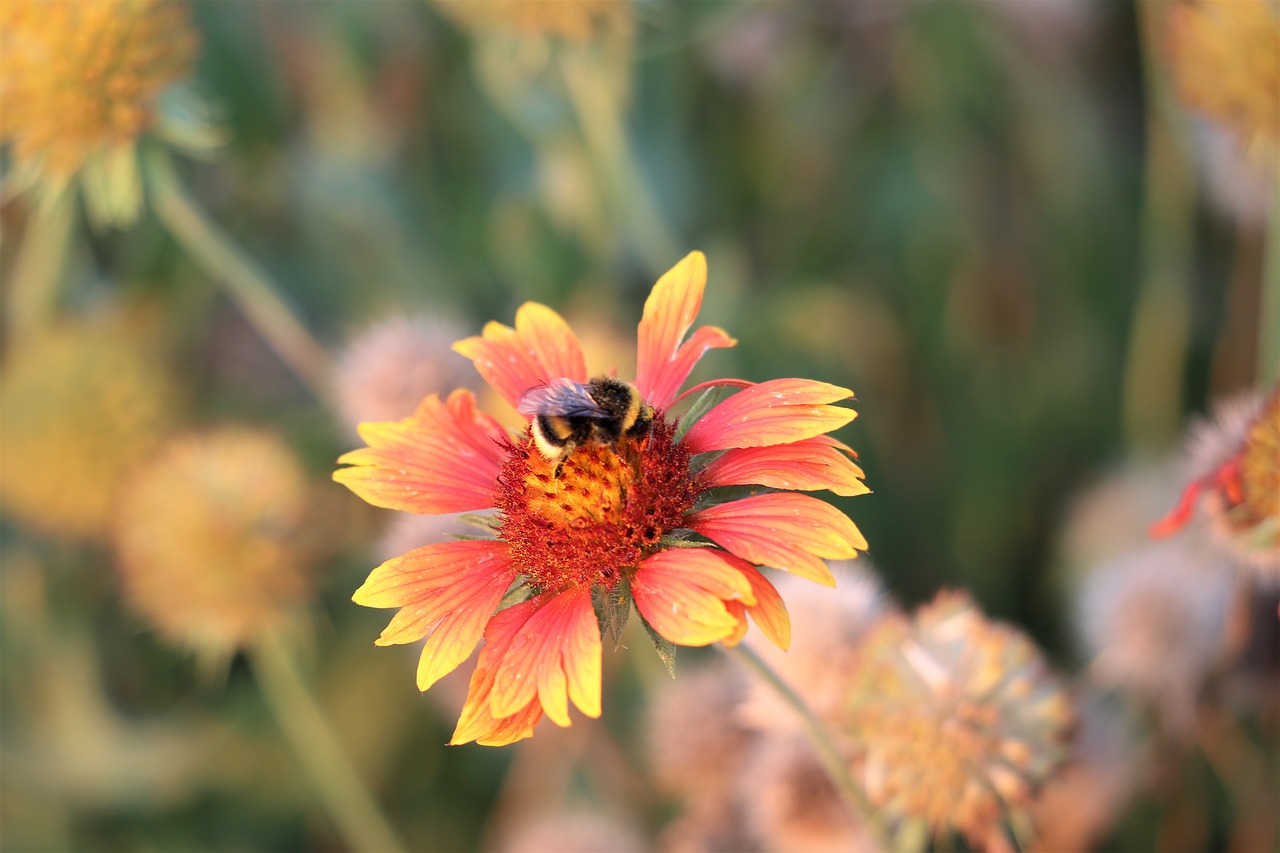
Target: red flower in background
610,524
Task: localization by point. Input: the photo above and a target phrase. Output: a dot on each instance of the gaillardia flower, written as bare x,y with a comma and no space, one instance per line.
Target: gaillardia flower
1225,56
1234,466
80,83
645,519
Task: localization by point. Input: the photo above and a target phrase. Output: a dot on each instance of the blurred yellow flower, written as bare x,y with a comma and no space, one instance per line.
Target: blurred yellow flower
1225,56
80,405
573,20
79,80
208,539
957,721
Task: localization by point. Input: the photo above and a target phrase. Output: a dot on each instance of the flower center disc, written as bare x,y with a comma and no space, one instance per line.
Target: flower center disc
605,510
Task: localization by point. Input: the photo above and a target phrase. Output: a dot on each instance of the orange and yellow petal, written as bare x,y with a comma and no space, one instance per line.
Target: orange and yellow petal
780,411
542,347
665,358
448,591
682,593
477,723
791,532
804,466
445,458
547,648
769,612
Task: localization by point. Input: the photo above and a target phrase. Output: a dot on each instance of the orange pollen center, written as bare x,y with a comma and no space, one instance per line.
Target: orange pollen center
600,514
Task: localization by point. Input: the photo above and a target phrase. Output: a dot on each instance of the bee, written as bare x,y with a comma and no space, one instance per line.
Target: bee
568,414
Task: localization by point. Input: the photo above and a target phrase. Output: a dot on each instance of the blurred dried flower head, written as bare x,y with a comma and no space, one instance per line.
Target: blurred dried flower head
406,531
789,802
389,367
1239,187
1234,473
208,540
826,626
572,20
1153,623
80,405
1225,56
956,721
1110,516
695,747
1080,804
572,831
79,82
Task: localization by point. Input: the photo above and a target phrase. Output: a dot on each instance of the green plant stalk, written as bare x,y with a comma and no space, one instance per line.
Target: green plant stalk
1269,310
346,798
246,283
603,126
37,271
1156,360
835,765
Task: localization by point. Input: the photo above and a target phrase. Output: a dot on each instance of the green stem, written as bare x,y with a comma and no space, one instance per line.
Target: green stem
1269,310
37,271
603,125
348,801
249,287
833,762
1161,324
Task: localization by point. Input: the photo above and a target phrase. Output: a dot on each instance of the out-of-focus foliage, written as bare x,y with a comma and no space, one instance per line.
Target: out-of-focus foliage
990,218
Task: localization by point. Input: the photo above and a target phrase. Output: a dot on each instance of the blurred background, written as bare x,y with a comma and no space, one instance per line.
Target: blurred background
1032,249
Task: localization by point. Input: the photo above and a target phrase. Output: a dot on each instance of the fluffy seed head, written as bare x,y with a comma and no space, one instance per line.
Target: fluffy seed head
79,77
386,369
826,625
1153,623
80,406
208,539
956,721
789,802
1225,57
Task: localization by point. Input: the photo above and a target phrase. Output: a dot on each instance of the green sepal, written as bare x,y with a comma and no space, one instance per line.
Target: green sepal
613,607
487,523
725,494
677,540
706,400
665,648
518,592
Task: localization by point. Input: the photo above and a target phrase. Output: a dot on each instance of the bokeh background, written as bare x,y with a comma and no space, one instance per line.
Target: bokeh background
993,219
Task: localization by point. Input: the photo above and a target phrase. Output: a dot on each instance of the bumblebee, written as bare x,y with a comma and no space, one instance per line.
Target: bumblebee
568,414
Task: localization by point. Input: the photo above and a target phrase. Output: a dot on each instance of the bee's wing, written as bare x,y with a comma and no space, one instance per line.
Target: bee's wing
563,397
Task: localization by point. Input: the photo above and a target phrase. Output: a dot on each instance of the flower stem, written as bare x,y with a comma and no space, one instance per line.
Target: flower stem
833,762
599,111
1269,310
37,270
348,801
1161,323
246,283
